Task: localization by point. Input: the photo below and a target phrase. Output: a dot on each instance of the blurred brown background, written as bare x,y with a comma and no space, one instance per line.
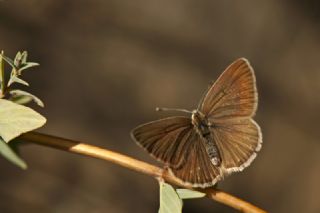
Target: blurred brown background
105,66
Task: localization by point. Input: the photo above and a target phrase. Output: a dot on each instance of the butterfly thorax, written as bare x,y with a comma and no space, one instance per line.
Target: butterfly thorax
202,126
200,122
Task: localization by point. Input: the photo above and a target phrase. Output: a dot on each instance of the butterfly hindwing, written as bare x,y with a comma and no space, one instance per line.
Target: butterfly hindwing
198,171
238,141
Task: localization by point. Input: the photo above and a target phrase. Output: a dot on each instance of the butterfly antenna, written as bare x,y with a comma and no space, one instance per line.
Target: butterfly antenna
172,109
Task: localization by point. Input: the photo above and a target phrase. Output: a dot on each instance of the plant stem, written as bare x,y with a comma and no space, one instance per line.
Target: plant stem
136,165
2,80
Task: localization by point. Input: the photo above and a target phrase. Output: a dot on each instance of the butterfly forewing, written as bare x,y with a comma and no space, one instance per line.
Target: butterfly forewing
234,94
165,139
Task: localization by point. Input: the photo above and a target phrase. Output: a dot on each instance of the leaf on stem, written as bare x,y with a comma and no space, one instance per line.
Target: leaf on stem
16,119
16,79
27,66
9,154
169,199
18,59
20,62
18,65
8,60
189,194
23,97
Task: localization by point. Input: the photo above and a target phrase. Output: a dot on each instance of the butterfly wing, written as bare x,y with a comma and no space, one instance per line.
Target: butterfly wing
238,141
166,139
175,142
198,171
234,94
229,105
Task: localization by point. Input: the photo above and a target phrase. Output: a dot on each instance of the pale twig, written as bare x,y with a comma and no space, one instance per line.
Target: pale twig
136,165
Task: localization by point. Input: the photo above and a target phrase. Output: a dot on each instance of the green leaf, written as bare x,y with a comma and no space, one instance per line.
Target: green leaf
189,194
27,65
14,79
8,60
21,99
16,119
18,59
9,154
15,145
20,62
19,93
169,199
24,56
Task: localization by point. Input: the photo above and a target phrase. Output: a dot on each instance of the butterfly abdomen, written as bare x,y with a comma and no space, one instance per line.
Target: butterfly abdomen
212,151
202,128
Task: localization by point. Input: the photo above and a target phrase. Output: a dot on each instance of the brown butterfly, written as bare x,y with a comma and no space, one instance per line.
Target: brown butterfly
219,138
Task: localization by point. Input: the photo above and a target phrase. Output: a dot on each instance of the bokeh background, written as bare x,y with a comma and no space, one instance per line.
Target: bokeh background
105,66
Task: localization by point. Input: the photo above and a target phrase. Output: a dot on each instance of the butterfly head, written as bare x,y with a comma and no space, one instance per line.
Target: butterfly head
198,118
